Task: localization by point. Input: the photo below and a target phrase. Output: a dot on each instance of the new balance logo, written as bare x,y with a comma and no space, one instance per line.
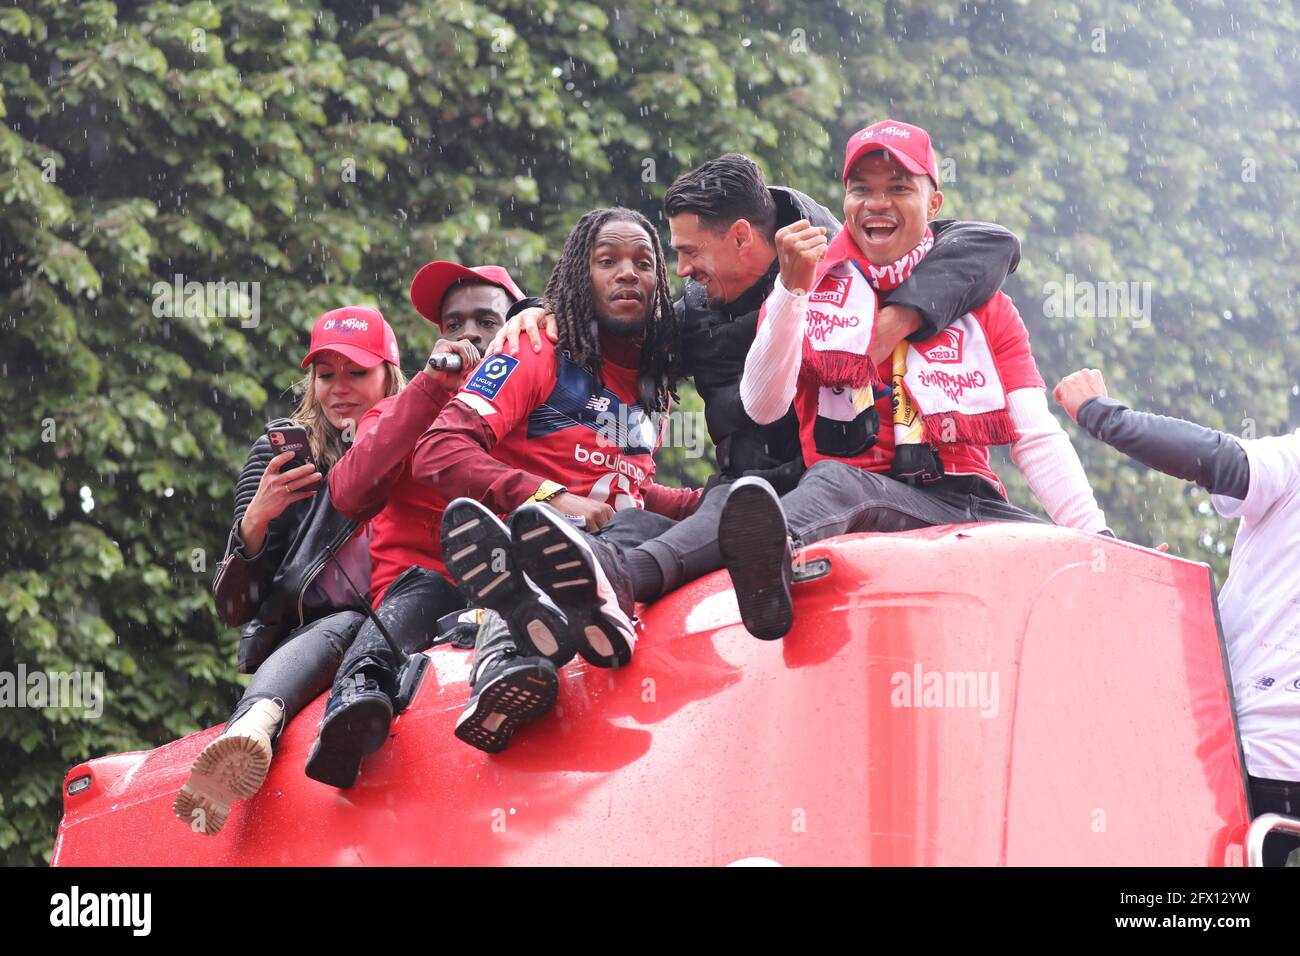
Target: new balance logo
598,403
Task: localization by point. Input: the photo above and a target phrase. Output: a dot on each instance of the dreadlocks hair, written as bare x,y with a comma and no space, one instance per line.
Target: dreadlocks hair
570,297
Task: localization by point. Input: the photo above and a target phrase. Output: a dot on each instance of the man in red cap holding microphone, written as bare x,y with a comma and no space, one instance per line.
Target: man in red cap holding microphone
469,306
408,583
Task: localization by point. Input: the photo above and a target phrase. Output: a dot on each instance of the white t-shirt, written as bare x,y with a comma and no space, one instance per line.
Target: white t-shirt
1260,607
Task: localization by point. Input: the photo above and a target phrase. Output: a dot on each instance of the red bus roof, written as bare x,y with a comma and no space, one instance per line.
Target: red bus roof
975,694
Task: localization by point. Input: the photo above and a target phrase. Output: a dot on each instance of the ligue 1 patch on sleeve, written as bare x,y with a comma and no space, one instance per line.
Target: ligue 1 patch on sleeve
491,375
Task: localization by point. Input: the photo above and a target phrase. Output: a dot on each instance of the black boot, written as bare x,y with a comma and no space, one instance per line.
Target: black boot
509,689
357,718
755,545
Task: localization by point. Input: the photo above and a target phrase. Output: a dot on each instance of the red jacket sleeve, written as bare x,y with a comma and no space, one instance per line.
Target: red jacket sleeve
453,457
386,435
676,503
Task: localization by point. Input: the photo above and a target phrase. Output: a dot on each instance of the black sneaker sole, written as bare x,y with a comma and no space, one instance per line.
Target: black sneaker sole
475,543
523,692
346,737
752,536
555,555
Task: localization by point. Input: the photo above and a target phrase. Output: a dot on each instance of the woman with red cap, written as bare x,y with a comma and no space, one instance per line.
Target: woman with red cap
301,609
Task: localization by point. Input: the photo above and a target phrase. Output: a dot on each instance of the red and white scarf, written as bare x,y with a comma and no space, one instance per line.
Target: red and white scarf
953,377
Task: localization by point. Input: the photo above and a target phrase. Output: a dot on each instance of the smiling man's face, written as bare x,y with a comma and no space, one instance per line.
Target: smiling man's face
623,273
886,208
710,256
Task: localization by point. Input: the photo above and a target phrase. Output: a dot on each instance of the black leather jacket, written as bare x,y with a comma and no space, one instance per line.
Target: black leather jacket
968,264
266,592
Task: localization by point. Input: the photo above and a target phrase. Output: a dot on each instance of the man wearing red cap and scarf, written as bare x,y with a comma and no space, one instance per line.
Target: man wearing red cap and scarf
973,385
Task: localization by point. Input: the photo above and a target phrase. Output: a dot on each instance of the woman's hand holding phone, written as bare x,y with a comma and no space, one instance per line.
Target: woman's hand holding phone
276,491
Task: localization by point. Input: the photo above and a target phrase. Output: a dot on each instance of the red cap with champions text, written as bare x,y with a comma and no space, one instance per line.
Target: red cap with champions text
356,332
908,144
434,279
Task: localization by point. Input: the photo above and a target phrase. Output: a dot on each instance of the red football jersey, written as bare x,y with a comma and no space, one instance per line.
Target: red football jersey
550,418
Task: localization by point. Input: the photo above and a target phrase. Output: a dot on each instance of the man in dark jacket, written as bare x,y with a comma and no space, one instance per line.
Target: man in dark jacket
729,270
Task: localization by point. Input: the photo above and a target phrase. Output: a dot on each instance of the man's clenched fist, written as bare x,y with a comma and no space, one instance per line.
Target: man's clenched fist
799,247
1076,388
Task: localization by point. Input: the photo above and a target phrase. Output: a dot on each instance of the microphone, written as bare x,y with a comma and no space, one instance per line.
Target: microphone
445,362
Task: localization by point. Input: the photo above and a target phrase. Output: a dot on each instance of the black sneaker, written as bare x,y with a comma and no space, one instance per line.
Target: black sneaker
568,565
755,545
509,689
476,548
356,723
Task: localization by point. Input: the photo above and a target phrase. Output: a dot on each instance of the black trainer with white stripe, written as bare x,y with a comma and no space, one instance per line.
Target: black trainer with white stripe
476,548
564,561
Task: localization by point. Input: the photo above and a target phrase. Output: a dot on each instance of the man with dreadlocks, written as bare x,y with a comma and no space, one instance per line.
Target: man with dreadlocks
568,426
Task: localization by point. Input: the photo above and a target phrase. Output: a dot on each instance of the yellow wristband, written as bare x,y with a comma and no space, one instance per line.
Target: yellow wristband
548,490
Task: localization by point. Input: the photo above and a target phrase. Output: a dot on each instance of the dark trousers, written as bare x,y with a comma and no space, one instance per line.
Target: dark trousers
1276,796
634,526
409,612
832,498
303,665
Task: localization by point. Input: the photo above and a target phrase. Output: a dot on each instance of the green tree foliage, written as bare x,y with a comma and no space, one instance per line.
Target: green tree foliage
325,150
